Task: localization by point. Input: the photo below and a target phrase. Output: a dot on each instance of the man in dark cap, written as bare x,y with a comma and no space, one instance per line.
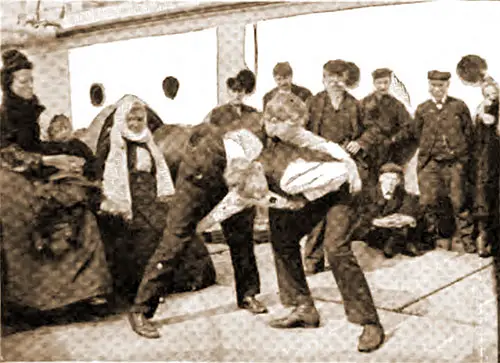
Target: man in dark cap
387,122
337,116
444,132
390,216
283,76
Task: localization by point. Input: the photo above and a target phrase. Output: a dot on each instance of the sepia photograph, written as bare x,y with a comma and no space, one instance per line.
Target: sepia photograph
250,181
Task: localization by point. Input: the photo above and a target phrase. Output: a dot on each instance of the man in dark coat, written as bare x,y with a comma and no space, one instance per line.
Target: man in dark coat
337,116
200,186
387,123
444,131
283,76
389,219
386,136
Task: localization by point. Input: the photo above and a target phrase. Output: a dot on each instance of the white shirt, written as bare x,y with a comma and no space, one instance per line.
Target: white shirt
439,104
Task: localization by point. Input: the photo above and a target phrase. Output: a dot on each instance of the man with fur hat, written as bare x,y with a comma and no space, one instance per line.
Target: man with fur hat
337,116
283,76
444,131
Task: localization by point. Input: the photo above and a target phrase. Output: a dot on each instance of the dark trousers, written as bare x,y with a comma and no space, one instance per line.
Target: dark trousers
445,179
288,227
189,205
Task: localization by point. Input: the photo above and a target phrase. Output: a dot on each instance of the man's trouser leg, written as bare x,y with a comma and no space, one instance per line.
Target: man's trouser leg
356,295
187,204
314,254
238,231
455,179
287,228
430,184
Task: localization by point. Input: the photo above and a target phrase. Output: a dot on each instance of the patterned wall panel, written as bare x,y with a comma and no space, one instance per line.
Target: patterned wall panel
231,53
51,74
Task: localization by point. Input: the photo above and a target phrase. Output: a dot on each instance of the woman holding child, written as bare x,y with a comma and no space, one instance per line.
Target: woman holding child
52,254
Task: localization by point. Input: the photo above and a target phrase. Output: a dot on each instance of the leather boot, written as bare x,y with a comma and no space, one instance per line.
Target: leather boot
462,239
482,243
411,249
142,326
253,305
312,267
371,339
390,247
303,316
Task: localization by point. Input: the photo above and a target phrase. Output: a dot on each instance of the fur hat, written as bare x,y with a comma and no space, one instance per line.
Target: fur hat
244,81
472,69
13,60
337,66
353,75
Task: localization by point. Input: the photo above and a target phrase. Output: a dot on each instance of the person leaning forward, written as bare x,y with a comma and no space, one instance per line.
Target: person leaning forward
287,227
200,185
445,134
289,223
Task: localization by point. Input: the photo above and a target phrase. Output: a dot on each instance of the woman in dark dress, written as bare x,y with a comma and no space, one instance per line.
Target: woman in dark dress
136,185
52,254
486,156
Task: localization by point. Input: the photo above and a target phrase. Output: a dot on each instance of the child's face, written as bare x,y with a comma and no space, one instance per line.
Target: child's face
60,130
389,182
137,119
491,94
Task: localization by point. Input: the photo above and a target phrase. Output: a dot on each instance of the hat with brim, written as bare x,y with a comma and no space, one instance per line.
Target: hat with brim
438,76
381,73
391,168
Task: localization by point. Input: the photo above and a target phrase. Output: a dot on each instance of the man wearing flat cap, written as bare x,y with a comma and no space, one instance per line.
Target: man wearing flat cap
283,76
389,219
337,116
444,133
387,122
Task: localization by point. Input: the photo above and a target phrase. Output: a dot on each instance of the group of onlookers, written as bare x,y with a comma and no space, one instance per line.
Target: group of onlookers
326,165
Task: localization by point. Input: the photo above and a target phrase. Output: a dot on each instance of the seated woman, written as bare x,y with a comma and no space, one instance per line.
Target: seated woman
52,254
136,185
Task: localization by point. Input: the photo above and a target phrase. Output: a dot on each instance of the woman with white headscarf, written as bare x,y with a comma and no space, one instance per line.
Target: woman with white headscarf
136,185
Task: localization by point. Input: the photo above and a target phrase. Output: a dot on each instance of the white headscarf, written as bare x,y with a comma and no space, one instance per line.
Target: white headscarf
116,186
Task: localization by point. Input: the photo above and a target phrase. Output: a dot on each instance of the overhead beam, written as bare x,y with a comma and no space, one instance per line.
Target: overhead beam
200,17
